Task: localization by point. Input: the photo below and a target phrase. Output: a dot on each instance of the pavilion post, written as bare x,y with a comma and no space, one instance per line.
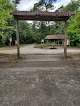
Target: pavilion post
17,34
54,42
65,40
58,42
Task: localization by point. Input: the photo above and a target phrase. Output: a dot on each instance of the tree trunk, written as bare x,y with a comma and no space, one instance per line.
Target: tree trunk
65,40
17,33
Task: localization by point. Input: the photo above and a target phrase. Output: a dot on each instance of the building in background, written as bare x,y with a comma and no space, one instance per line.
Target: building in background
58,39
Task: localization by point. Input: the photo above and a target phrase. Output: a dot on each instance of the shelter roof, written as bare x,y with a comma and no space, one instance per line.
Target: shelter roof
41,16
55,36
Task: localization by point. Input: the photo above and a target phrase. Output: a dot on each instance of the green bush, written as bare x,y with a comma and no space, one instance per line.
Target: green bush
78,44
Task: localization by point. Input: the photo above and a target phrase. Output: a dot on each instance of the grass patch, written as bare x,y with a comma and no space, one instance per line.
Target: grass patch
38,45
68,57
11,57
76,54
45,46
12,47
42,45
35,47
8,55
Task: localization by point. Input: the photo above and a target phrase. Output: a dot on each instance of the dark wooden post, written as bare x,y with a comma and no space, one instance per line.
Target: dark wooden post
69,42
54,42
65,40
17,34
58,42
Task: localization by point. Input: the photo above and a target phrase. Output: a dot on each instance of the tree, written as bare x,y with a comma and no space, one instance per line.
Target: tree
15,2
77,18
43,28
25,32
73,6
43,5
5,9
9,32
6,28
74,30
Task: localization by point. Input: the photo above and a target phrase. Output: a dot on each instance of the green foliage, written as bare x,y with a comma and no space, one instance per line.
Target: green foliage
30,33
73,22
41,29
6,21
5,9
43,5
25,32
15,2
74,30
77,18
73,6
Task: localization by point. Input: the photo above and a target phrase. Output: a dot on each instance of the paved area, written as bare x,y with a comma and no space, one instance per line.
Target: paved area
29,49
39,86
40,80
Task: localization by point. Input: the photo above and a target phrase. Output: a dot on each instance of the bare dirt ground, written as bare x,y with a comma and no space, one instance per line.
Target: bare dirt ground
40,80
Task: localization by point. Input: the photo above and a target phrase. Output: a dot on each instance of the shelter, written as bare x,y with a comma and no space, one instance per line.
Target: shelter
41,16
59,38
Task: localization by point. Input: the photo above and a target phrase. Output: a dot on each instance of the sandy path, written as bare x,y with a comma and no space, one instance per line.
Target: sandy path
29,49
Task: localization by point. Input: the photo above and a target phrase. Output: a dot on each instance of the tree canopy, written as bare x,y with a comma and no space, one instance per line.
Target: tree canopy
73,22
5,9
74,30
38,30
43,5
15,2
